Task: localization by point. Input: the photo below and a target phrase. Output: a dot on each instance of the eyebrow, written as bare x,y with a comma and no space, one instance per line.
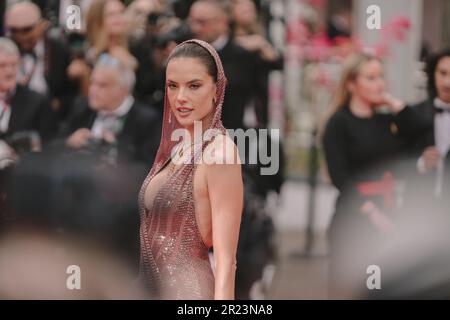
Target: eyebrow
192,81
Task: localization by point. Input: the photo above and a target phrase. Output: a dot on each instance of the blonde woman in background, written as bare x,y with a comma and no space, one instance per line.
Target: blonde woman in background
361,144
106,31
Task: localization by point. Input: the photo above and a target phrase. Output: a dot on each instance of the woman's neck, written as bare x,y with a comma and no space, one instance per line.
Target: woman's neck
360,108
115,40
205,125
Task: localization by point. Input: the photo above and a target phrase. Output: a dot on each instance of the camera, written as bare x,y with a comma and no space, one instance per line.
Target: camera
7,156
102,150
177,35
24,141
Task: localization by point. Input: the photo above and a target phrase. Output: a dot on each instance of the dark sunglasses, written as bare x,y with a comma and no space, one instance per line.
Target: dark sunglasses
26,29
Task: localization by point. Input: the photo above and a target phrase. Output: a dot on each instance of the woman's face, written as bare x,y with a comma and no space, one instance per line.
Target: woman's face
244,12
191,90
442,79
115,23
369,85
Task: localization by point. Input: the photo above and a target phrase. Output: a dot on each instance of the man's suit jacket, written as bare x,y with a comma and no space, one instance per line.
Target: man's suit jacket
57,57
241,71
421,186
30,111
137,141
426,137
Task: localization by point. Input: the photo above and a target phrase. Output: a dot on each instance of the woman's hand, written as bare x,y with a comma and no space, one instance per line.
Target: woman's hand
7,155
430,158
257,43
394,104
78,69
79,138
378,218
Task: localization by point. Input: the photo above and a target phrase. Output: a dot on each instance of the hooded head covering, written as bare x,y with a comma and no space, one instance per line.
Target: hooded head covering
170,240
170,123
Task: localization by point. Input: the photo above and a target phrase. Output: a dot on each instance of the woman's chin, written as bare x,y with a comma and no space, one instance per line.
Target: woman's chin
185,121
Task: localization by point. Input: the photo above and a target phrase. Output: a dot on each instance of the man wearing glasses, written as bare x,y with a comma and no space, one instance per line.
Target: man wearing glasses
22,111
209,21
44,59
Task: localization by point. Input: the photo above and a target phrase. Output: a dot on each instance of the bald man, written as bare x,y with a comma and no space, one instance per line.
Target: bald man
44,59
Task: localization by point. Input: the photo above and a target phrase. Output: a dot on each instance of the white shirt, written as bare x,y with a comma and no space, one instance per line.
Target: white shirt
442,127
110,120
5,114
220,42
37,81
442,142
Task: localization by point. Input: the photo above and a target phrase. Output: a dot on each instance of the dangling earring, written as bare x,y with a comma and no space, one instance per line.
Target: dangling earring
170,116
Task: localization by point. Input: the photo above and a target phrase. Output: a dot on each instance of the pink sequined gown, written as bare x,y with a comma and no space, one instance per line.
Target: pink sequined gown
174,258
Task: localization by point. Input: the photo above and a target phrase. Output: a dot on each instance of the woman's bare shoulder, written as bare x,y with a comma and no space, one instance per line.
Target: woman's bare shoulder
221,150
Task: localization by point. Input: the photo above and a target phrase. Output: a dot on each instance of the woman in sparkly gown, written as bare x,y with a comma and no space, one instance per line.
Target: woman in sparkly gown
192,199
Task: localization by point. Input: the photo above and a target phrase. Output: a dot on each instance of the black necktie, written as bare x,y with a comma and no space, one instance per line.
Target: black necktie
440,110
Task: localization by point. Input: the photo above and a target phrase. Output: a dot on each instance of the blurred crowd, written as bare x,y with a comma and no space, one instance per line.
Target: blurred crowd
391,164
80,123
81,111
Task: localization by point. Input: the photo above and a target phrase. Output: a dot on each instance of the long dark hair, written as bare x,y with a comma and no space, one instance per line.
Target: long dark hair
431,70
193,50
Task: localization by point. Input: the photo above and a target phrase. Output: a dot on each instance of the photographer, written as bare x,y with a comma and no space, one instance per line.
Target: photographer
110,122
163,32
25,116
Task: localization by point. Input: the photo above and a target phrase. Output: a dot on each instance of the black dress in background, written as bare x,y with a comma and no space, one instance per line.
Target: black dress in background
361,150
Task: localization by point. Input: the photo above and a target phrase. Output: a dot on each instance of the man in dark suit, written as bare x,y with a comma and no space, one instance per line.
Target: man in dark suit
434,142
110,117
45,56
209,21
22,111
110,142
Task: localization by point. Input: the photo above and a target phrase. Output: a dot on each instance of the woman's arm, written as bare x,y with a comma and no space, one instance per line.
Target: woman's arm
335,146
410,123
257,43
225,189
